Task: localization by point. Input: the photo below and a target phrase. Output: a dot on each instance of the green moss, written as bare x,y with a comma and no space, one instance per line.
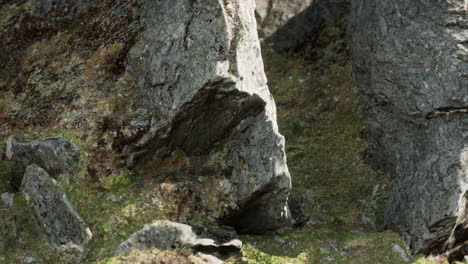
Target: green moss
8,11
104,62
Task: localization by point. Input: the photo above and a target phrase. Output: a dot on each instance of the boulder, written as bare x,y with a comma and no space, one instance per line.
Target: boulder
167,235
288,24
410,61
200,72
67,234
7,199
59,157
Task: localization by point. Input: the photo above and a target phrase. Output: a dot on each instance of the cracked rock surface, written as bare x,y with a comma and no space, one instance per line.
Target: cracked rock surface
63,228
201,74
168,235
410,60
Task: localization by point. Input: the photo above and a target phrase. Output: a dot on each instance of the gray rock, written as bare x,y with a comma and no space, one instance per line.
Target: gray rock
280,240
7,199
296,205
167,235
64,229
288,24
410,62
201,73
400,251
274,14
59,157
29,260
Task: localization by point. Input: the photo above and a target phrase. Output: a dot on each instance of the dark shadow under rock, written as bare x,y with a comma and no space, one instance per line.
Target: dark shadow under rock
57,156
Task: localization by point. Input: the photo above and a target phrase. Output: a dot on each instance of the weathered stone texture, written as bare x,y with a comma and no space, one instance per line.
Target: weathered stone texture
63,228
59,157
410,60
167,235
200,68
289,24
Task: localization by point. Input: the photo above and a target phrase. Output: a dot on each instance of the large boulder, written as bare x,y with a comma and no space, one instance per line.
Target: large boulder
167,235
200,70
59,157
410,59
66,232
289,24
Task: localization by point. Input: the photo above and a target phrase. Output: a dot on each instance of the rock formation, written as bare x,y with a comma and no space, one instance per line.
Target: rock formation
167,235
155,80
57,156
200,73
410,60
288,24
64,229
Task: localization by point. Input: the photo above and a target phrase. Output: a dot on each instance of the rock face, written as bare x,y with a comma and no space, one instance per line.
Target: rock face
64,229
167,235
410,59
57,156
288,24
201,75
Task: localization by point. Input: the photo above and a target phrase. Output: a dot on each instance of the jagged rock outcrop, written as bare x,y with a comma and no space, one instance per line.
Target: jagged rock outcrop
288,24
200,70
167,235
66,232
59,157
410,59
148,81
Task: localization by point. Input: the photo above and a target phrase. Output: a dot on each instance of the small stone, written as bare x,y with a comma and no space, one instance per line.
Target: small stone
280,240
397,249
325,249
112,197
7,199
29,260
333,246
330,259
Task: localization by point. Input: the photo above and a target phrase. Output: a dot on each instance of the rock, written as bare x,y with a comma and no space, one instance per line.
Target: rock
64,229
113,198
29,260
397,249
200,70
167,235
7,199
325,249
296,205
280,240
410,65
288,24
201,258
275,14
57,156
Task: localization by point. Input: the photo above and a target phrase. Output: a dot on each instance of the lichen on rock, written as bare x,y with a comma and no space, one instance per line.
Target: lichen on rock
66,232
